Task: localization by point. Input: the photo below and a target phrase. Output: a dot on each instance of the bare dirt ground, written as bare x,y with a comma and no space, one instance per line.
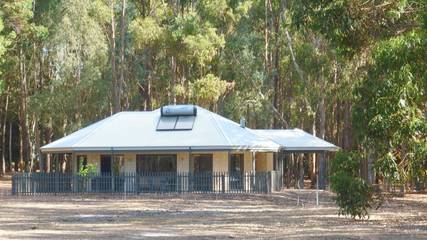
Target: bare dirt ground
276,216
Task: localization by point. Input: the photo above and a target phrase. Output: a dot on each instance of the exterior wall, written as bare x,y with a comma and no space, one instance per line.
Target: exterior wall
182,164
220,162
264,161
247,163
130,162
270,161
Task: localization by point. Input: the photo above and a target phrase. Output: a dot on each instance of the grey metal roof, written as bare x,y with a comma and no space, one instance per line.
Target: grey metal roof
296,140
136,131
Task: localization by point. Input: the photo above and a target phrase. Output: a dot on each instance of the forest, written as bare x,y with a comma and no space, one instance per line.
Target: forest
353,72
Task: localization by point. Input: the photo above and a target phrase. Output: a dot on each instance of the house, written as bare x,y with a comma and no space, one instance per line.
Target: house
177,148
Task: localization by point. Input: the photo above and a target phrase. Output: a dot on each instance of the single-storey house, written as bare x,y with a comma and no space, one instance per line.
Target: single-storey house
178,148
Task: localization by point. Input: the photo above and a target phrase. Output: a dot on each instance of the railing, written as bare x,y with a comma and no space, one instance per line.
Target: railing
149,182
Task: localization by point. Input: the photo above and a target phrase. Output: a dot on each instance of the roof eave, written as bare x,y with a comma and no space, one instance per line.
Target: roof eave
162,148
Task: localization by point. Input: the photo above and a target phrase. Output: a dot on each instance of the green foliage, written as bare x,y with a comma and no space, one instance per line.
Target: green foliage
203,47
353,195
146,32
208,89
353,25
87,171
390,112
2,50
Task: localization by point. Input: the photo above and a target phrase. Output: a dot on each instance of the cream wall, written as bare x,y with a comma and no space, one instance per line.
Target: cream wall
264,161
247,164
270,161
182,164
220,161
129,162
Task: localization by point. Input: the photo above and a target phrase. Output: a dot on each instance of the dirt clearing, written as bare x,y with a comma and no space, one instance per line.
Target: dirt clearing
204,217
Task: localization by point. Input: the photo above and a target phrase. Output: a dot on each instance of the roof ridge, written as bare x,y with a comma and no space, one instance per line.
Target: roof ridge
103,122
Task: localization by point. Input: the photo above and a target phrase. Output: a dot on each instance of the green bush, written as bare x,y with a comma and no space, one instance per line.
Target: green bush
87,170
353,195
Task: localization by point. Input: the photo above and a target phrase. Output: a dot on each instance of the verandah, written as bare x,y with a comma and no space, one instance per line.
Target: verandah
146,182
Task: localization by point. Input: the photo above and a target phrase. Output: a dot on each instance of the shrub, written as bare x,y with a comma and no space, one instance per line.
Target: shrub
87,170
353,194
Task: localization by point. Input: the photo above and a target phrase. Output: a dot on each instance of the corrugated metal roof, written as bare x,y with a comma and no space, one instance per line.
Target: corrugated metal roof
136,131
296,140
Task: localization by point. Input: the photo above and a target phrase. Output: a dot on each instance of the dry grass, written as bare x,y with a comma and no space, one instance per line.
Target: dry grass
195,216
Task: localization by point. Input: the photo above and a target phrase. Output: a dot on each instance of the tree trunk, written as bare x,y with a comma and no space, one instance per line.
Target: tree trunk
266,65
122,47
173,69
276,75
346,143
48,134
313,169
3,139
301,171
37,139
10,149
115,90
23,122
321,156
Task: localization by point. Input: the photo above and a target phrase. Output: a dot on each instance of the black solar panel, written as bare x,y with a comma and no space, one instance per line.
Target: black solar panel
166,123
175,123
185,123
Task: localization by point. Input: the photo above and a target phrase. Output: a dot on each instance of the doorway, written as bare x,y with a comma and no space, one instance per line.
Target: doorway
105,164
203,168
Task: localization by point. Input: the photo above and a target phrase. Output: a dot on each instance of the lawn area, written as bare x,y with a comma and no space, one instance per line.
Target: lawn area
208,217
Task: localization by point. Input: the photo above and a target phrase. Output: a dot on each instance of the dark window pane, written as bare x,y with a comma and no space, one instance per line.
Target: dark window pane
167,163
156,163
203,163
106,164
236,163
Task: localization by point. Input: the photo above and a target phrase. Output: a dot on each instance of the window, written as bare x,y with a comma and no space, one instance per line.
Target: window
156,163
81,162
202,163
236,163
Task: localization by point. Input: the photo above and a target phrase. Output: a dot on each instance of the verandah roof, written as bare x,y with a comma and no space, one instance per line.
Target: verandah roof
297,140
